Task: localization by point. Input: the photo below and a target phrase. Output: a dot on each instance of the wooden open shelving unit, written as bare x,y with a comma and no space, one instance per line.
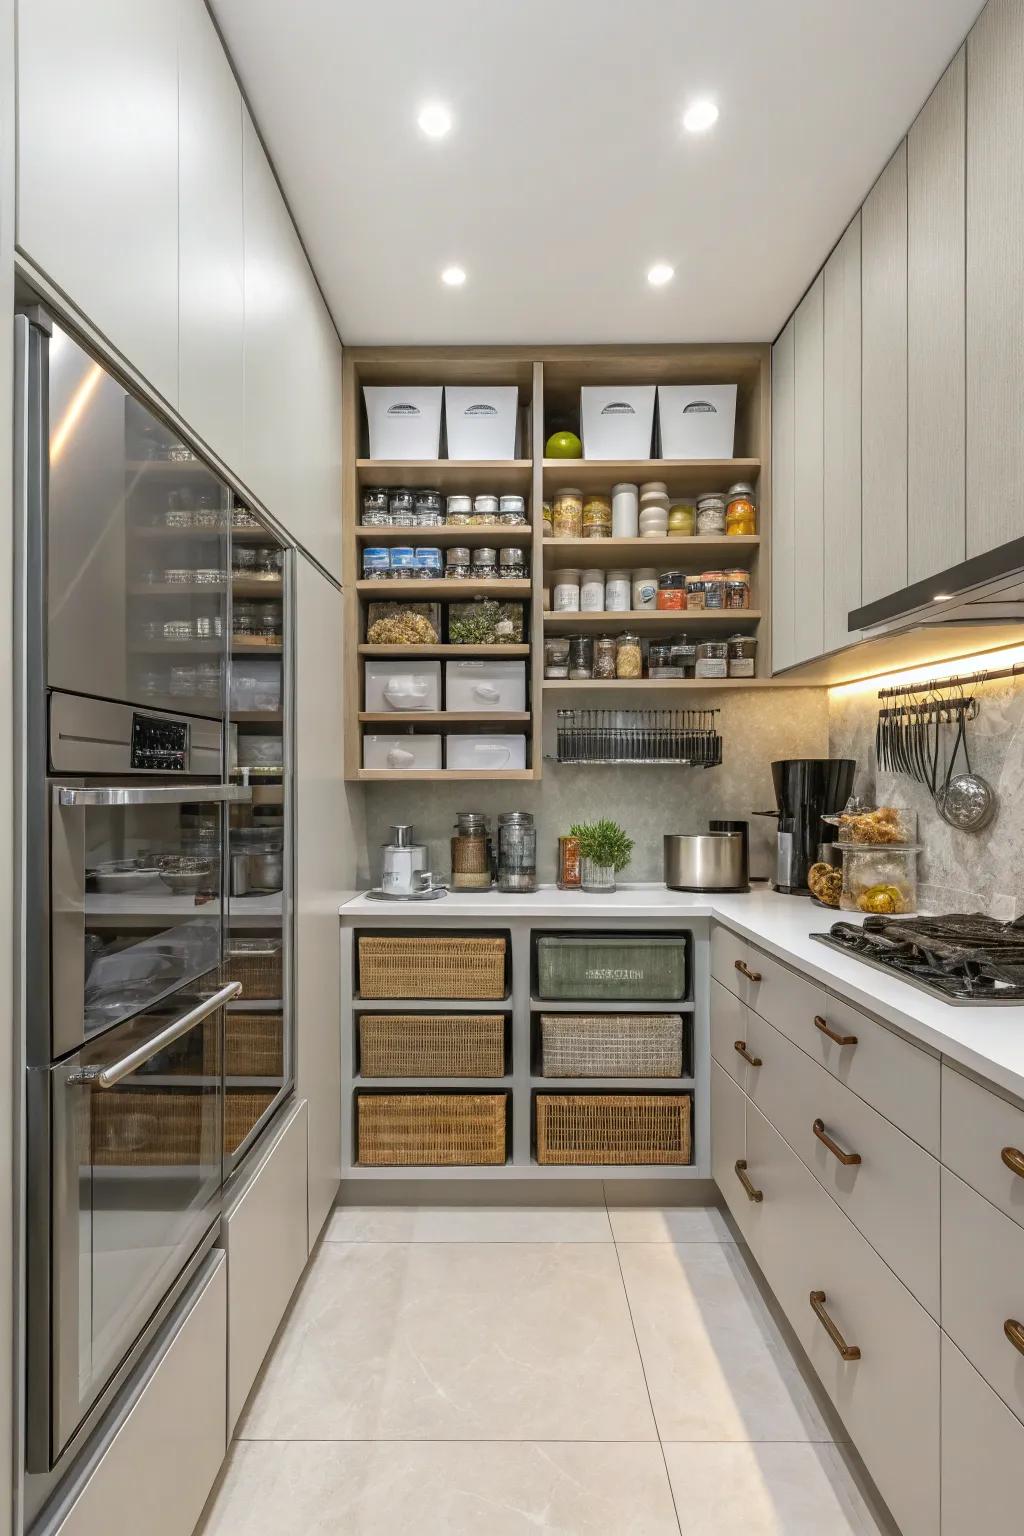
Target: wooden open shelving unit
549,380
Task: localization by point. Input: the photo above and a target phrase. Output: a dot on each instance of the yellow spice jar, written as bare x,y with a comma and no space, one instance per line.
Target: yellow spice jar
567,514
597,518
682,519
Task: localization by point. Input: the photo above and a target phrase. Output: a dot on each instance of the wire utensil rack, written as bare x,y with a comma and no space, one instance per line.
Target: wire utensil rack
684,737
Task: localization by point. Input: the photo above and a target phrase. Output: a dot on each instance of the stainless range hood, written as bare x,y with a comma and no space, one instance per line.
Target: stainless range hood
986,590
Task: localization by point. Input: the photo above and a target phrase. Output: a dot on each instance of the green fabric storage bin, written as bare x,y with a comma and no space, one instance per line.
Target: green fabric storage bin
611,967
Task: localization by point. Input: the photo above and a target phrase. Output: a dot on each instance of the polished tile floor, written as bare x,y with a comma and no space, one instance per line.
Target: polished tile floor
505,1371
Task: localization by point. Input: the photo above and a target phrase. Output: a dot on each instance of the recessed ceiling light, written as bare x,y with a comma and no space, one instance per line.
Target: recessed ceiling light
660,274
700,115
435,120
454,277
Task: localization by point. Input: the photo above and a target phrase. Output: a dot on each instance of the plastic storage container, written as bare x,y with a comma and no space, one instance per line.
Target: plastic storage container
696,421
490,753
611,967
617,420
397,754
404,421
485,684
481,421
402,685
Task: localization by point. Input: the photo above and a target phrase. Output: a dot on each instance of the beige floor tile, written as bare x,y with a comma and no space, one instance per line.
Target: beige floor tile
669,1224
456,1341
716,1365
465,1224
766,1490
442,1490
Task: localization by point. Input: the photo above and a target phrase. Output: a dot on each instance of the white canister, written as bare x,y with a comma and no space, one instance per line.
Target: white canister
653,522
618,592
592,592
567,592
645,589
654,492
625,508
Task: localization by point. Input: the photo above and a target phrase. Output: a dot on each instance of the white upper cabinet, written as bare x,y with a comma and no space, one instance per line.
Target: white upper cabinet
98,168
783,542
808,472
210,237
841,397
884,382
936,528
995,262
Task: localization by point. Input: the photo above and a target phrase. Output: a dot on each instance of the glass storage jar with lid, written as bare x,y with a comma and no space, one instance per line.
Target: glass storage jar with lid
605,647
740,511
375,507
459,511
713,659
512,563
567,513
711,513
471,852
512,511
517,852
742,655
556,656
597,517
457,563
581,657
671,591
485,563
629,656
401,508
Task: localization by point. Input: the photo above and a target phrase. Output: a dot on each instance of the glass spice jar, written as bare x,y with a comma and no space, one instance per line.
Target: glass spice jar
682,519
459,511
471,852
711,514
737,594
740,511
512,563
457,564
567,514
485,563
694,592
568,863
671,592
403,562
712,659
401,508
556,656
629,657
517,852
605,647
581,657
597,518
742,655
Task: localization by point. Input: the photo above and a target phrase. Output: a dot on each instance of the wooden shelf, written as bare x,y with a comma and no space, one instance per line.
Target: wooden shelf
444,717
419,591
466,652
684,477
496,477
256,717
255,586
663,554
653,621
447,775
674,684
485,533
254,645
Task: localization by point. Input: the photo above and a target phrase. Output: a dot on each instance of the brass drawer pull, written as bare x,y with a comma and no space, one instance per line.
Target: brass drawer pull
757,1194
1014,1160
740,1046
1015,1333
848,1351
848,1159
822,1024
744,970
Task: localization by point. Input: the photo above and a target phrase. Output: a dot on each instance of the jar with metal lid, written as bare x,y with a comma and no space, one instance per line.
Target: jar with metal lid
694,592
471,852
428,519
659,660
645,589
566,595
740,510
629,656
208,514
671,591
426,500
517,852
712,659
556,656
507,505
270,619
711,514
243,558
568,863
484,561
592,591
245,616
375,505
567,513
485,509
581,657
428,563
618,592
597,517
401,507
682,519
737,594
742,655
376,564
684,656
457,563
604,657
512,563
403,562
459,511
714,589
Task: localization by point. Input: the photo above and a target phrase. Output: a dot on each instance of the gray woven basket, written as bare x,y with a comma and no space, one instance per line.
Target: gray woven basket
611,1044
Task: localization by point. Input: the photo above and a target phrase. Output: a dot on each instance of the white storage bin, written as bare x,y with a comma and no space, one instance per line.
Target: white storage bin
402,685
485,685
617,420
481,423
255,685
404,423
396,753
696,421
486,752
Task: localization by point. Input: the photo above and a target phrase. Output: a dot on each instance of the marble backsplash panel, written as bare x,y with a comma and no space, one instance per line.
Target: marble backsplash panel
757,727
958,871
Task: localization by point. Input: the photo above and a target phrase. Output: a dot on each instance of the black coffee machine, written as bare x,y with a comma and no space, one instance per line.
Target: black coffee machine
806,789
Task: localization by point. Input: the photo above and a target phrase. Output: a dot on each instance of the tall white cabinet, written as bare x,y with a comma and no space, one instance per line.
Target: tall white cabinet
841,404
783,489
808,471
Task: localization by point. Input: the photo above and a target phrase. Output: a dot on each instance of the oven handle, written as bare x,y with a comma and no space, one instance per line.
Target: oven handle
172,794
107,1077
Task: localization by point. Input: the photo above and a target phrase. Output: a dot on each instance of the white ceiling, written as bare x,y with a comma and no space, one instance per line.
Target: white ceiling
567,172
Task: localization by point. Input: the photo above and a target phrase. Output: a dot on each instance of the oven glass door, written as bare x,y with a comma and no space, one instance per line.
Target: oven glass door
136,1147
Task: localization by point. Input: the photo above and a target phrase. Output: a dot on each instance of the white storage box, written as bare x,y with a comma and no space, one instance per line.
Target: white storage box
696,421
486,752
404,423
617,421
481,685
402,685
255,685
481,423
398,753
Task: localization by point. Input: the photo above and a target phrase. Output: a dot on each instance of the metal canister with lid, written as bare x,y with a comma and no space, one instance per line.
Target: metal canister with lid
517,852
471,852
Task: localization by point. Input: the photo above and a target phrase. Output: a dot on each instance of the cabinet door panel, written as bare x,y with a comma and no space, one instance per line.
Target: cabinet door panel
995,260
936,440
728,1142
783,547
982,1450
808,473
841,399
884,378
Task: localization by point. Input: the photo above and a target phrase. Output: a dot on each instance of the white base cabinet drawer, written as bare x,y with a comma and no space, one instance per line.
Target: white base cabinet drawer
266,1235
891,1194
157,1472
729,1143
978,1128
888,1398
777,993
983,1287
982,1454
728,1025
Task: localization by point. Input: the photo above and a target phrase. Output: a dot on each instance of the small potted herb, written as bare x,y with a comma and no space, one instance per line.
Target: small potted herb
604,851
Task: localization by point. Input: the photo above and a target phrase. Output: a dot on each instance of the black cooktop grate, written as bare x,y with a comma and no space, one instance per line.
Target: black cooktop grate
962,957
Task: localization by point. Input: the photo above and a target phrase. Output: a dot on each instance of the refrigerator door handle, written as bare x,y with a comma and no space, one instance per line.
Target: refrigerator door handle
174,794
109,1077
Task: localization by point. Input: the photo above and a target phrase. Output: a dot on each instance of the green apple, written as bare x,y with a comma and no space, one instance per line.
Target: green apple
563,445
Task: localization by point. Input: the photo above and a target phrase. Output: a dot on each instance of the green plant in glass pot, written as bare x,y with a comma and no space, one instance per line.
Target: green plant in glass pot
605,849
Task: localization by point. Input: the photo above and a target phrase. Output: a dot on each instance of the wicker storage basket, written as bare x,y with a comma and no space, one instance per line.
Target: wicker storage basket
432,1044
609,967
397,1130
242,1109
149,1128
431,967
610,1129
256,963
253,1045
611,1044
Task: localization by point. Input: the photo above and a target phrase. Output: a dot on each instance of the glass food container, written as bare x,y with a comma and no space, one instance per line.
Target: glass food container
375,506
376,564
880,880
711,514
568,863
428,563
597,518
742,655
403,562
695,592
457,563
512,511
512,563
712,659
567,514
581,657
671,592
484,563
401,508
682,519
471,852
659,660
740,511
684,656
459,512
605,647
629,656
556,656
517,852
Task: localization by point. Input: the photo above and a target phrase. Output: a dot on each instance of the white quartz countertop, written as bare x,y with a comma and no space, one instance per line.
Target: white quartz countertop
988,1040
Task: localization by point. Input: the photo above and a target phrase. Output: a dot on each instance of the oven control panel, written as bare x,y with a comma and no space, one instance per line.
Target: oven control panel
160,746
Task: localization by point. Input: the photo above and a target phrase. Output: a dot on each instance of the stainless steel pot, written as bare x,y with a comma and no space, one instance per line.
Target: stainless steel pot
266,870
706,861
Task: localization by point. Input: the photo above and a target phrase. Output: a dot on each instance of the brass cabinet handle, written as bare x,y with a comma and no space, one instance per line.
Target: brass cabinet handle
1015,1333
822,1024
848,1159
848,1351
1014,1160
757,1194
744,970
740,1046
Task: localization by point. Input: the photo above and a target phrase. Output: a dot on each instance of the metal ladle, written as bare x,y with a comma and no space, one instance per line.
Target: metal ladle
966,800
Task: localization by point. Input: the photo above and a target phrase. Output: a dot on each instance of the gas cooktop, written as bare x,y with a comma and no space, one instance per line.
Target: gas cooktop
964,958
